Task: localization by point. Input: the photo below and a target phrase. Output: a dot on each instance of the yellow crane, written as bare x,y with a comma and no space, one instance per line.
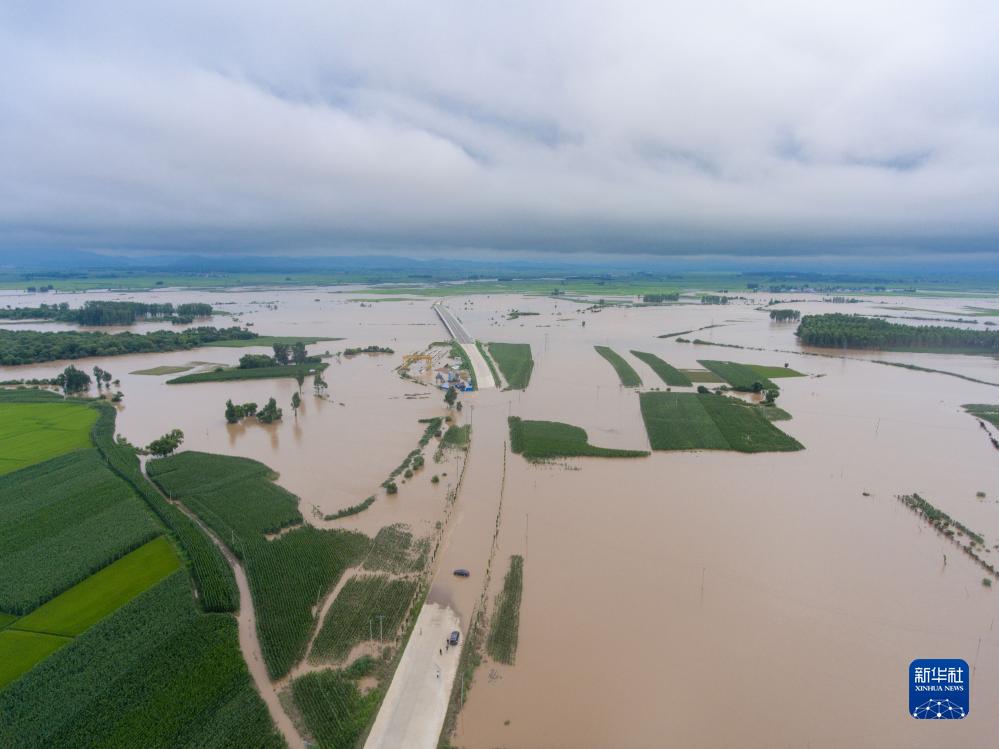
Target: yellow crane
425,358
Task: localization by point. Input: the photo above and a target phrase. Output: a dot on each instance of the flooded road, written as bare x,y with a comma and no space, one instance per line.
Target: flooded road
700,599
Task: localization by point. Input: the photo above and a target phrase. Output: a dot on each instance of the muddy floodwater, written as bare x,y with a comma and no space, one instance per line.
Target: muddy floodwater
688,599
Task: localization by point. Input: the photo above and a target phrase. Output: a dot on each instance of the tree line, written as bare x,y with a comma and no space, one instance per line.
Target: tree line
31,346
110,313
855,331
782,315
660,298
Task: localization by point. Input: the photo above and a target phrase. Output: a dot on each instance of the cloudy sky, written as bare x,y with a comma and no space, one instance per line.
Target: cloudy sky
674,127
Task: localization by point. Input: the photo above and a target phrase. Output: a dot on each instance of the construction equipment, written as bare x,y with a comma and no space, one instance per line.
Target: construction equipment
425,358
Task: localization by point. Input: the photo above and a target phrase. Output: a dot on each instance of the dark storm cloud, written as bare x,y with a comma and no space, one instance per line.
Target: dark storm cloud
598,126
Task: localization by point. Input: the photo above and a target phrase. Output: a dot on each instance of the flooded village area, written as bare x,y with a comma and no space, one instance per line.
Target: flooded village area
690,598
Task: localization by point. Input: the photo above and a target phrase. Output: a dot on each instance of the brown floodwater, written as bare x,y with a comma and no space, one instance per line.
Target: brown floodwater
696,599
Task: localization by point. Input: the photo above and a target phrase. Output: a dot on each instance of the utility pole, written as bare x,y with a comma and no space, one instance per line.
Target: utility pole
371,633
381,630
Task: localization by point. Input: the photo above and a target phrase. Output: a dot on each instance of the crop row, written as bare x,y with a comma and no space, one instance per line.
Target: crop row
501,644
335,711
368,607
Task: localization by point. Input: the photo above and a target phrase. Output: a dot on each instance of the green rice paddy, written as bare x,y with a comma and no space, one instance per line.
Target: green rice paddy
33,432
19,651
29,639
90,601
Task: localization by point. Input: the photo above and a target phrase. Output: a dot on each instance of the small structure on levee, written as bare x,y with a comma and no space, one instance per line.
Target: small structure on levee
453,376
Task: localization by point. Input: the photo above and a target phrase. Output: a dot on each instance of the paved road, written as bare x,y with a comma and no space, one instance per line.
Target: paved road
483,375
412,713
453,325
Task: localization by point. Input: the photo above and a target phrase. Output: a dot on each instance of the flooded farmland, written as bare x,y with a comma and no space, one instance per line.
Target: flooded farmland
695,599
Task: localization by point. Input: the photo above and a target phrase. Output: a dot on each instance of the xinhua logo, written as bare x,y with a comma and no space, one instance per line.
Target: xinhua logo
939,689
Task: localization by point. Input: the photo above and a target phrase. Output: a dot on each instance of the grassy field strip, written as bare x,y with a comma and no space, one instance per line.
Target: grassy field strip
543,440
33,432
774,372
627,374
164,369
269,340
667,372
90,601
489,363
501,644
739,376
515,362
702,376
19,651
6,619
691,421
251,373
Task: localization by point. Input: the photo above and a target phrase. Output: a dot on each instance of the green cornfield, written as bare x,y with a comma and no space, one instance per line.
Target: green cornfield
154,674
61,521
625,372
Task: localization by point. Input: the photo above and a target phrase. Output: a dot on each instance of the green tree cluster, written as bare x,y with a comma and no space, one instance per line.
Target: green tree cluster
29,346
269,413
167,443
839,330
73,380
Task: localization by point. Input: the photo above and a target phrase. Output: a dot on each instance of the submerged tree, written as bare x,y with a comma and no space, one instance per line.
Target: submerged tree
281,353
319,384
73,380
296,401
270,412
298,354
450,396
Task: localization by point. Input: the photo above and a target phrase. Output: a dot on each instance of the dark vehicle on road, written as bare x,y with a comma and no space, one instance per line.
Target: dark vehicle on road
461,572
453,639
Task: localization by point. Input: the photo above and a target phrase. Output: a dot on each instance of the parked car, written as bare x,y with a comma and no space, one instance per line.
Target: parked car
453,639
461,572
